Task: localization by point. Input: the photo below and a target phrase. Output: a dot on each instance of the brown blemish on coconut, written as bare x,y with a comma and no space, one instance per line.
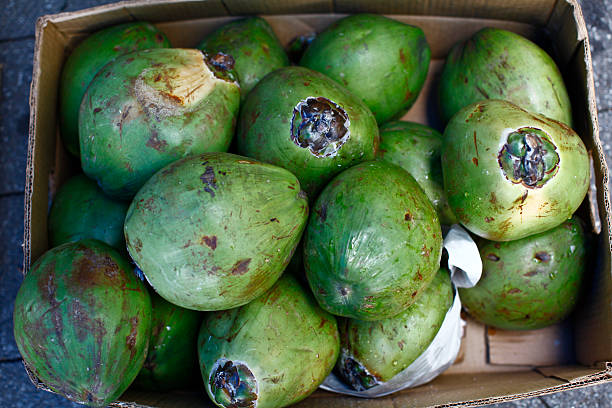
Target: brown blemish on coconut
156,143
402,56
138,245
408,96
482,92
210,242
241,267
493,199
130,339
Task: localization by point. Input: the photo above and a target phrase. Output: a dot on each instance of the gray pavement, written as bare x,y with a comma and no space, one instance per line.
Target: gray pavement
17,22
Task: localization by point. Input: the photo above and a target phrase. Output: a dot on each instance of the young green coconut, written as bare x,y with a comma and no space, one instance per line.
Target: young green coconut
150,108
532,282
253,45
270,353
373,242
83,321
88,58
381,61
216,230
81,210
375,352
417,149
499,64
303,121
172,360
509,173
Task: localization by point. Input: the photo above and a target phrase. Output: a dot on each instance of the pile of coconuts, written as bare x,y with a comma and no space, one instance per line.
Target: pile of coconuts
286,222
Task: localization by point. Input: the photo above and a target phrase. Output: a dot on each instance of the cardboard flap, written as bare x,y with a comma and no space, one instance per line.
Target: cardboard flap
48,60
578,374
567,25
526,11
594,326
90,20
247,7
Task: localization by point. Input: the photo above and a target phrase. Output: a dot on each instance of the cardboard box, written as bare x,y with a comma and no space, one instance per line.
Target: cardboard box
493,365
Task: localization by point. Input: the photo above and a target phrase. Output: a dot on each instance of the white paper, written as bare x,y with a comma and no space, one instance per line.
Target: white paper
466,268
463,257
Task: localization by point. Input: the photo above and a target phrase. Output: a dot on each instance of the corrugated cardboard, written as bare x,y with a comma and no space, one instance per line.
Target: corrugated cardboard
493,366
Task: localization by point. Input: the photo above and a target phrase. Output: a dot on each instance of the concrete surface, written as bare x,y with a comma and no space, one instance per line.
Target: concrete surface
17,21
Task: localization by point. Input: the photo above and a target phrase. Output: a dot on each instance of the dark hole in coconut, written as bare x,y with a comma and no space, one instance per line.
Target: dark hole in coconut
542,256
221,65
233,385
356,375
529,158
493,257
319,125
222,61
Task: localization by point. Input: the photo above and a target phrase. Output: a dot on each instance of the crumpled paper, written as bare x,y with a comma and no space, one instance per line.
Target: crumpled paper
463,257
466,267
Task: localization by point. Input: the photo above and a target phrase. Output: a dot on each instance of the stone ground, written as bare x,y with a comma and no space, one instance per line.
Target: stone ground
17,20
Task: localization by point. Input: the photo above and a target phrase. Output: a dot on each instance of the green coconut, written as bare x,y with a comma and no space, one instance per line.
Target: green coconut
374,352
381,61
88,58
509,173
532,282
81,210
82,322
216,230
150,108
417,149
172,360
303,121
499,64
270,353
254,47
373,242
